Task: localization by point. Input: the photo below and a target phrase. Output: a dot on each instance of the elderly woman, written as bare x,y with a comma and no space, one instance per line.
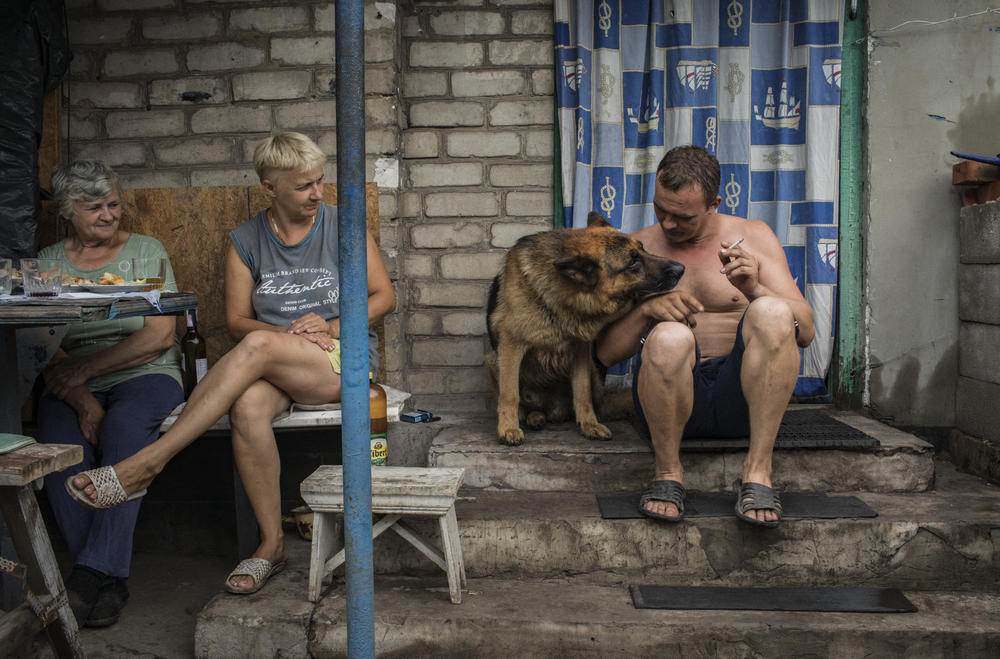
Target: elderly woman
282,304
108,387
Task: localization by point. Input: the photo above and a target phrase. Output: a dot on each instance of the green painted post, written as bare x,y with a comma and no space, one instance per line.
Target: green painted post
849,359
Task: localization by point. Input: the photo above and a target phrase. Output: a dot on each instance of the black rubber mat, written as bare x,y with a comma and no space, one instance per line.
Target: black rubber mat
799,429
721,504
859,600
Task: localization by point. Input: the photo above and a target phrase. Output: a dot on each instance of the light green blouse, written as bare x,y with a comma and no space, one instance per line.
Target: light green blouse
88,338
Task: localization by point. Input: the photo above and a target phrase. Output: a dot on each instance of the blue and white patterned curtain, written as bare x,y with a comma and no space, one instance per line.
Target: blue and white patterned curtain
756,82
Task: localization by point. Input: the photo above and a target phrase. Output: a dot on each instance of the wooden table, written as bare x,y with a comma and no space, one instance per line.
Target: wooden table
19,468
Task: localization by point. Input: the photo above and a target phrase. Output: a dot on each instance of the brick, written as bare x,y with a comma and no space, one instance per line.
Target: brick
424,83
421,144
423,323
410,27
446,114
380,79
387,211
969,172
106,94
135,5
116,154
479,265
411,204
483,144
199,25
979,234
306,115
474,405
185,91
427,381
471,380
152,123
447,352
105,30
222,56
538,144
505,234
212,177
269,20
487,83
381,111
521,175
380,47
139,62
449,294
232,119
520,53
85,125
462,204
142,180
271,85
471,323
445,236
977,354
424,175
467,23
529,203
82,66
303,51
445,54
531,22
381,141
380,16
521,113
542,82
194,151
386,173
418,265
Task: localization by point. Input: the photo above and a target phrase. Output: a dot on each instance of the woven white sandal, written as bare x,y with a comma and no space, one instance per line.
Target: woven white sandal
110,492
258,569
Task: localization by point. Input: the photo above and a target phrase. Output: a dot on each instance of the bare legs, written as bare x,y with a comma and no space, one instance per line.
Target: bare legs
768,375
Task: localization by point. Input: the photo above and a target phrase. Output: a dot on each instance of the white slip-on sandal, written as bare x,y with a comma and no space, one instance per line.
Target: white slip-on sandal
258,569
110,492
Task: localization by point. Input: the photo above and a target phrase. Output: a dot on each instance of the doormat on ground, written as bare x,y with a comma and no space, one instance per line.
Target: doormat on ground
721,504
799,429
861,600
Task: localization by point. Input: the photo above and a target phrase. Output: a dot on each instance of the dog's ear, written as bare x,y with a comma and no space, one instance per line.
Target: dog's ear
581,269
595,219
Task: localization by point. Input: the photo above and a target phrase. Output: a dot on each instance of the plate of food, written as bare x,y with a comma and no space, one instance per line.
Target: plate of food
110,283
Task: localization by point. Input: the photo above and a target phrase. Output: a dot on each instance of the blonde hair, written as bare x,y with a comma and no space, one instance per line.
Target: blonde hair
286,152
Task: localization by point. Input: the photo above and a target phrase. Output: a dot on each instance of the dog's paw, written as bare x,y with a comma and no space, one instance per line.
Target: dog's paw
595,431
510,436
535,420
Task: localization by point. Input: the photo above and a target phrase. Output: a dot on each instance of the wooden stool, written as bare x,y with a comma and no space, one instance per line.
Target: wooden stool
396,491
24,522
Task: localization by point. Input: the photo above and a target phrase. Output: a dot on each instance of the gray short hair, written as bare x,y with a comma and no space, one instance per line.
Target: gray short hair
82,180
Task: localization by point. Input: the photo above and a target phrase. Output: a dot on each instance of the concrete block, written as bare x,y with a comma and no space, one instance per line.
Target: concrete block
82,67
449,351
446,54
381,111
467,23
106,94
521,113
978,354
483,144
410,27
380,46
446,114
531,22
303,50
424,83
418,265
100,31
135,62
141,180
976,409
979,233
479,265
528,203
437,294
542,82
270,20
271,85
314,114
446,236
975,455
136,5
115,153
232,119
423,144
427,381
470,380
472,323
423,323
224,56
521,175
487,83
152,123
194,151
381,141
234,176
424,175
186,91
979,293
387,204
196,25
538,144
379,79
85,125
462,204
520,53
223,631
411,204
505,234
452,403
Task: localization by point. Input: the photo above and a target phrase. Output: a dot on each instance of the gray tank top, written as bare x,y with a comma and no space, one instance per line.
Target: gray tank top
292,280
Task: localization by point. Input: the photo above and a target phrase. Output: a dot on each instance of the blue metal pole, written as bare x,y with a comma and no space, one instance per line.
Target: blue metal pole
350,69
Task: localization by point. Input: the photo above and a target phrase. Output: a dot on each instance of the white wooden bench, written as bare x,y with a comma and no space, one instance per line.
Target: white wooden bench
396,491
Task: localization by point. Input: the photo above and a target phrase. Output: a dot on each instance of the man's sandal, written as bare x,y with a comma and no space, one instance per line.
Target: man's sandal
667,492
754,496
110,492
258,569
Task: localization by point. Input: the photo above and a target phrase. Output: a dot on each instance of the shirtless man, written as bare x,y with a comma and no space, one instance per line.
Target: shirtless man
718,355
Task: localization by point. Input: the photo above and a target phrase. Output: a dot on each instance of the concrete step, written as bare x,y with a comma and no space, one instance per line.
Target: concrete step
945,539
567,617
560,459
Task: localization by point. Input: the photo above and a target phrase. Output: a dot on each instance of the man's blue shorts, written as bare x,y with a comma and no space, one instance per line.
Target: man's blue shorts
719,410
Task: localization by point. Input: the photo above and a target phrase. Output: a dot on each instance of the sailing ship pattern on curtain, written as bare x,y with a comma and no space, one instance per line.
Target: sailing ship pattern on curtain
756,82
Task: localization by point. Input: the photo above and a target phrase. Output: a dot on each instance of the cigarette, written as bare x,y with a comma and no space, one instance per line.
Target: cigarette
735,244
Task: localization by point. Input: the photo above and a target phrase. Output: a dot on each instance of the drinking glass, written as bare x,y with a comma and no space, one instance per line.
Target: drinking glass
150,271
42,277
6,276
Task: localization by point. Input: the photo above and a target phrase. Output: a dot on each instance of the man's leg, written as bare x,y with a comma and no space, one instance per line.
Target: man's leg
770,369
666,393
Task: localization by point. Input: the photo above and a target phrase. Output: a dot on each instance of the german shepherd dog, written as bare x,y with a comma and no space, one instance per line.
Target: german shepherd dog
555,293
